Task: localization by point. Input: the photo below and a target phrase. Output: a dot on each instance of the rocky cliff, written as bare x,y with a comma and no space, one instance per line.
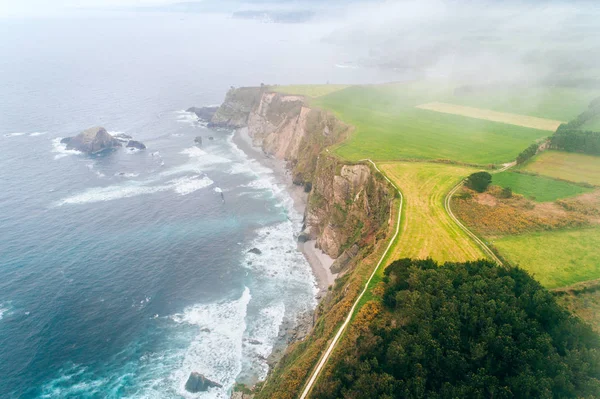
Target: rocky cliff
347,203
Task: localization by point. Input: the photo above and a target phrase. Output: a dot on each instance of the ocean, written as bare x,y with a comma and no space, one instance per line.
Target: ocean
120,274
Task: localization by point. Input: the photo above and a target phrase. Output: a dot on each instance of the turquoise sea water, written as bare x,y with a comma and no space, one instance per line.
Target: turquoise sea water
121,274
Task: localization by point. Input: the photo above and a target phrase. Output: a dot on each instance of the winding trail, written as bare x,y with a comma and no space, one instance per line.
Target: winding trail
323,361
479,242
317,371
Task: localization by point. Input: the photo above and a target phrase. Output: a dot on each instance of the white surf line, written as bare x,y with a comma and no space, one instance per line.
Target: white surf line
479,242
336,338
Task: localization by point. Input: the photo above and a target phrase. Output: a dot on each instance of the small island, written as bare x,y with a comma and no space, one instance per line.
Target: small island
96,140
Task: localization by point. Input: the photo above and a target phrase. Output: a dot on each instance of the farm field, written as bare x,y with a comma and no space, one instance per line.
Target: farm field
555,258
427,230
560,103
586,304
311,91
495,116
578,168
538,188
388,127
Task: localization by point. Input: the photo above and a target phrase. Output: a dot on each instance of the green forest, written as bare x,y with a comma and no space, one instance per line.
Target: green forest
464,330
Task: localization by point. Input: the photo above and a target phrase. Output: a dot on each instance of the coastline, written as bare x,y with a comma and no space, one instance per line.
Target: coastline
317,259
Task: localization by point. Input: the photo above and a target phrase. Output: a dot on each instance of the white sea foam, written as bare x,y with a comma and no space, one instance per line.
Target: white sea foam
261,336
218,190
14,134
61,149
3,310
187,185
132,188
36,134
127,175
189,118
216,351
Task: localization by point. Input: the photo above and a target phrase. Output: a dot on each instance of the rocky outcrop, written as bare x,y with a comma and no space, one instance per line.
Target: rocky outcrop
203,113
286,128
236,108
347,206
348,203
199,383
136,144
92,141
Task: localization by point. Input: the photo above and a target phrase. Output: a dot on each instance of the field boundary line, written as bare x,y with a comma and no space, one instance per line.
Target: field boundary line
323,361
464,228
532,122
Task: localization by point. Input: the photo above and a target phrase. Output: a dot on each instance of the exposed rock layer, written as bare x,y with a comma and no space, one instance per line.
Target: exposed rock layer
348,203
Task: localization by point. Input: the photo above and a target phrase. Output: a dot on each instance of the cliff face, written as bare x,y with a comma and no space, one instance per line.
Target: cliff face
235,109
347,203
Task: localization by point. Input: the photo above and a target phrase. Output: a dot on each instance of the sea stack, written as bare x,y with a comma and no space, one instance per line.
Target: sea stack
199,383
92,141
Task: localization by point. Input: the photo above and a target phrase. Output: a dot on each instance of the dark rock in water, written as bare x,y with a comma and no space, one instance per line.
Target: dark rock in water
136,144
92,141
122,137
198,140
206,330
199,383
211,138
256,251
204,113
66,140
303,237
254,342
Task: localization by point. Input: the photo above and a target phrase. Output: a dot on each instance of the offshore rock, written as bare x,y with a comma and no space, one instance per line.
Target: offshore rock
204,113
136,144
199,383
255,251
198,140
92,141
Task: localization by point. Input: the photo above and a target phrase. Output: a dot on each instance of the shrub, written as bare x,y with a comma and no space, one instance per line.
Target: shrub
479,181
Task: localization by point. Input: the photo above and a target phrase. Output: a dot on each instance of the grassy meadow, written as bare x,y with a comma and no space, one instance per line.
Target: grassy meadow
311,91
555,258
538,188
426,229
578,168
388,127
561,103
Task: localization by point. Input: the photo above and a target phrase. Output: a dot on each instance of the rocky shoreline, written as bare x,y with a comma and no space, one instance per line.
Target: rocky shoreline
318,260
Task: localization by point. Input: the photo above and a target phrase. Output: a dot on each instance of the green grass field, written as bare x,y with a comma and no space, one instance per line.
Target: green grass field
538,188
389,127
426,229
555,258
311,91
577,168
561,103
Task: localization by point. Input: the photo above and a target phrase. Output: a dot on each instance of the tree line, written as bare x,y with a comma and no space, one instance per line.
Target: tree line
464,330
569,136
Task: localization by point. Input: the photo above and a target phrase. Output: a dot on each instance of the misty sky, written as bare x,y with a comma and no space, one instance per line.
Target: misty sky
475,40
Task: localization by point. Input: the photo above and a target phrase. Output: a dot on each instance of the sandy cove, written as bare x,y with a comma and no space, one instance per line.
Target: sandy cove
318,260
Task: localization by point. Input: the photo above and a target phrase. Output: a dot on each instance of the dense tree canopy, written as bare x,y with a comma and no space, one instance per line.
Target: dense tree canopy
570,137
479,181
464,330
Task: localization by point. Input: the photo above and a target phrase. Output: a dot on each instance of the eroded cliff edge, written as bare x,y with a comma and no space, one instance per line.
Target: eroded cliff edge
349,210
347,203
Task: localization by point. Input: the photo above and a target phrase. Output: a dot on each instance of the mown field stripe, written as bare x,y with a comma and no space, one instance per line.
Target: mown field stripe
494,116
336,338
